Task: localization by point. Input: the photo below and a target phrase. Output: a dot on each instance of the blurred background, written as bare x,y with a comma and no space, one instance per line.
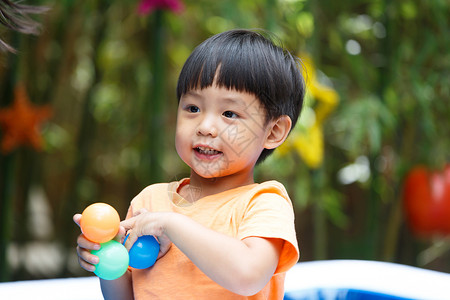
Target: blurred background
88,107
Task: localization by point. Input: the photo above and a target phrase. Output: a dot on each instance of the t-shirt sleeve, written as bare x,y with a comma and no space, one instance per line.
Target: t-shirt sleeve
270,215
140,201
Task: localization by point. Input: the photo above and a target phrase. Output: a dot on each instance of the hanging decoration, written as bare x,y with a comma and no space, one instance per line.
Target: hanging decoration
426,200
21,121
146,7
307,137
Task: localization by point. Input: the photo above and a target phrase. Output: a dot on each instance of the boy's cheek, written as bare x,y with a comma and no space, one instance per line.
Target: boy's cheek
238,138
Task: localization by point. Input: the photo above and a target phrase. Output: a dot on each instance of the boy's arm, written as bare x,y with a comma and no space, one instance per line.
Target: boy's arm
119,289
241,266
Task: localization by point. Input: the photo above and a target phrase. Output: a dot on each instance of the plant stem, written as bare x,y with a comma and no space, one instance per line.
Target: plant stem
154,143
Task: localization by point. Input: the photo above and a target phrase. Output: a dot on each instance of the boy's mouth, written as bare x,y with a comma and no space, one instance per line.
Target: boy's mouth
206,150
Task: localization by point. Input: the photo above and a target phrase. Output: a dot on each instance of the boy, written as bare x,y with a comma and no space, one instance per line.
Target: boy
222,235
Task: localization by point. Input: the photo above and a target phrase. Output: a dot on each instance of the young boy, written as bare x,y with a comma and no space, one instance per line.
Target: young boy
222,235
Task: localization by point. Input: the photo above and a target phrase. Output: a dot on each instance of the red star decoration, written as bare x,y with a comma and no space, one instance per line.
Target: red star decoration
20,122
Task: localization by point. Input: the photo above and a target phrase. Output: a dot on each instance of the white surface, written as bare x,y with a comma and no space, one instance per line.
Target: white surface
85,288
380,277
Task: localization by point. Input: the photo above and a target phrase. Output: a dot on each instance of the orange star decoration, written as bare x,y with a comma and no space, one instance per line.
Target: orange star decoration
307,137
20,122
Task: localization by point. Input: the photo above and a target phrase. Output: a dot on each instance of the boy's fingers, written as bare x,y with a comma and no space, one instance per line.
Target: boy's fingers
141,211
87,256
121,231
125,228
165,245
127,224
87,244
121,234
130,239
77,219
86,266
86,259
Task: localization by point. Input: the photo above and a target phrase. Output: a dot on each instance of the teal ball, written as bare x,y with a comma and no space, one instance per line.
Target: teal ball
113,260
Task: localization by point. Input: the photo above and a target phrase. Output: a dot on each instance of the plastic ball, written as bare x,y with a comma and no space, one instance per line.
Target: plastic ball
144,252
113,260
100,222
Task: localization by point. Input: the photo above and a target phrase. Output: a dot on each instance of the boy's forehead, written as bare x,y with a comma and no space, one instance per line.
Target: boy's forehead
226,94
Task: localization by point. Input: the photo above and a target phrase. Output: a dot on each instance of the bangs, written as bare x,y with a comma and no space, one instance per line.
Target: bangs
239,61
232,66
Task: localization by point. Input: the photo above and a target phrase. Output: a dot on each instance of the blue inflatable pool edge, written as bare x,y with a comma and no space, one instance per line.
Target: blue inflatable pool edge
362,279
317,280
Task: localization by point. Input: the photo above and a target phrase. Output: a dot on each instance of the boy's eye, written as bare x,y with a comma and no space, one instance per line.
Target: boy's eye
193,109
230,114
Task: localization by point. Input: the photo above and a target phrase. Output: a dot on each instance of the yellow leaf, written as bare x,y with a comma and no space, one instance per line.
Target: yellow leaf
309,146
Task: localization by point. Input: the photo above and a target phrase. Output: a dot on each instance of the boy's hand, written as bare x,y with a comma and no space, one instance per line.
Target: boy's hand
147,223
84,246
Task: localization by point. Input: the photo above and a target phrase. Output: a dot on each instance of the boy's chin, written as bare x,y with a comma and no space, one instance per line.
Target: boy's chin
214,171
208,175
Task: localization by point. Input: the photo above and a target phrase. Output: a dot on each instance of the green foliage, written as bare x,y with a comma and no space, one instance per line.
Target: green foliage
96,64
359,127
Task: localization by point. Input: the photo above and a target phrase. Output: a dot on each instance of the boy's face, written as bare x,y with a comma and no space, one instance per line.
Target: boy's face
220,132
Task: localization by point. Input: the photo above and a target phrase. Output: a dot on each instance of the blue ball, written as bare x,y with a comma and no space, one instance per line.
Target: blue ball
144,252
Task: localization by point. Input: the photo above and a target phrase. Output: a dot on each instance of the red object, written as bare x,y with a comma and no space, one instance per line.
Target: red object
426,197
145,7
21,121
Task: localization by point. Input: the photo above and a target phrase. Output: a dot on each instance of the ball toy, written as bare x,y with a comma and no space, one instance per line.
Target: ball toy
144,252
113,260
100,222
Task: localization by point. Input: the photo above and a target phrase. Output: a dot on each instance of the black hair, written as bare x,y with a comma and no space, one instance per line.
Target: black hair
247,61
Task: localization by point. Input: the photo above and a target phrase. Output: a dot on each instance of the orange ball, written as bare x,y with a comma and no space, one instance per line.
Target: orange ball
100,222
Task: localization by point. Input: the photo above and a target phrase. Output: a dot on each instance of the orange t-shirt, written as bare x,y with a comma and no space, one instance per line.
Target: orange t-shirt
256,210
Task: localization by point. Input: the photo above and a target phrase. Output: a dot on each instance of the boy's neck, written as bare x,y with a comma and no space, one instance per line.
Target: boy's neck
210,186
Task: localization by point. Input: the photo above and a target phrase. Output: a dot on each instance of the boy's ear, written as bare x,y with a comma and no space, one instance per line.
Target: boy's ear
278,131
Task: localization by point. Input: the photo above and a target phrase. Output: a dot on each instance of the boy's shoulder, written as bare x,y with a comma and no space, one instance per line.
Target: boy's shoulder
272,185
156,186
269,188
150,190
171,186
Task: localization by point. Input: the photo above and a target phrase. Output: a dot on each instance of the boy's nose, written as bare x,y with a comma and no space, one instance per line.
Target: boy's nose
207,127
